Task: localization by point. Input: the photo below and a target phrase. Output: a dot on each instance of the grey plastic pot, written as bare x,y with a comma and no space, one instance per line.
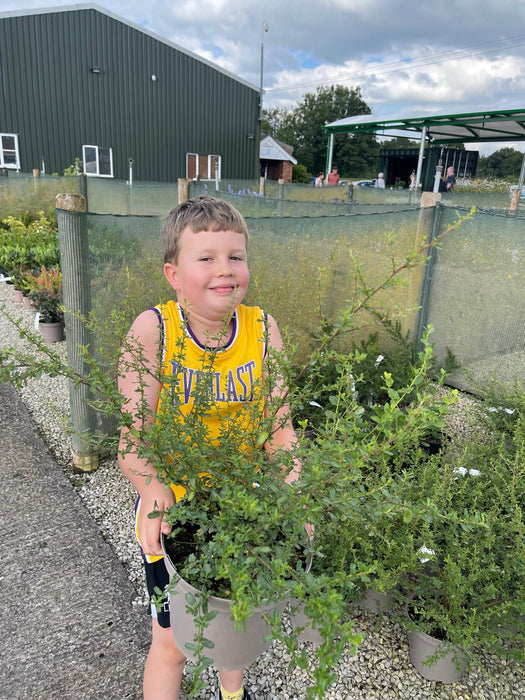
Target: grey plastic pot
376,602
52,332
233,650
299,619
444,669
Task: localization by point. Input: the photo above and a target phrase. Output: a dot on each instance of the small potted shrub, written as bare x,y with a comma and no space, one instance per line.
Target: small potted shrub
45,292
376,525
468,589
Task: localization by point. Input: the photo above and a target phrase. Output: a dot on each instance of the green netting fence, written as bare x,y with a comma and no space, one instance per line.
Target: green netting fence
475,297
471,288
295,262
472,295
20,193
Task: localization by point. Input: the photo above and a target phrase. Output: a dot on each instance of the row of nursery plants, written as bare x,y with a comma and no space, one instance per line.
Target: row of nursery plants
438,529
30,259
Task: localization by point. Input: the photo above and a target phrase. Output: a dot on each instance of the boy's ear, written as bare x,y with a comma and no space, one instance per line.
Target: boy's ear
170,272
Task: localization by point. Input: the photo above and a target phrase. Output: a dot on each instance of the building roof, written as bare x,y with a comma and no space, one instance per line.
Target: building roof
271,149
500,125
118,18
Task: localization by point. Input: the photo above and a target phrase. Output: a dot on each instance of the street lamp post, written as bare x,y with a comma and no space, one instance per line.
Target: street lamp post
265,28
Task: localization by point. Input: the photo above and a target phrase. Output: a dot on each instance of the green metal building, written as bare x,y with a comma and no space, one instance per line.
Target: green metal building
80,82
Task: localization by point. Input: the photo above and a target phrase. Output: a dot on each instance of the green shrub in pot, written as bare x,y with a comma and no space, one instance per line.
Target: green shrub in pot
468,587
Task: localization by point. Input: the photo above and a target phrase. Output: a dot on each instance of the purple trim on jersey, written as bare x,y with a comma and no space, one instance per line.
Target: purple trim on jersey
233,336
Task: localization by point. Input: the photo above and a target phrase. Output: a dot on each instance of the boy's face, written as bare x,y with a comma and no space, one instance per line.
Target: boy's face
211,274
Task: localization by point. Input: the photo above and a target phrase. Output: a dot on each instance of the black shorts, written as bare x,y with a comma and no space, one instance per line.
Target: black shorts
157,577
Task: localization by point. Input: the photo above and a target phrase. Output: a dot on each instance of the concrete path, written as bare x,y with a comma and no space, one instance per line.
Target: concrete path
67,626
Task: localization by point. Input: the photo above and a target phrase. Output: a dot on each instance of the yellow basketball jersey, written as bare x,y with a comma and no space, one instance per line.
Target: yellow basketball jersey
232,371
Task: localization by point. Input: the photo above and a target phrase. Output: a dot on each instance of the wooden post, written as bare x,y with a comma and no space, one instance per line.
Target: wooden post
184,190
430,199
262,180
76,290
515,199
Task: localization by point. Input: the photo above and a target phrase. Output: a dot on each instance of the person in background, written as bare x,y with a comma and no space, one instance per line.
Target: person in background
446,184
412,185
319,180
380,181
451,179
333,176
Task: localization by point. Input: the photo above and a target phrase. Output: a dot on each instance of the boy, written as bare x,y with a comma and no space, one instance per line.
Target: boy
205,262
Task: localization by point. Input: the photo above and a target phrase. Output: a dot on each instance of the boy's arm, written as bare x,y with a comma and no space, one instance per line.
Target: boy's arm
283,436
139,384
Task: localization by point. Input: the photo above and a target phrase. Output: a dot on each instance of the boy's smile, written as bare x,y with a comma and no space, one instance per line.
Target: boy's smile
211,274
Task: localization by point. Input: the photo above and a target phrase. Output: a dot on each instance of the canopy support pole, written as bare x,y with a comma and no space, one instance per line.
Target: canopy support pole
329,153
420,157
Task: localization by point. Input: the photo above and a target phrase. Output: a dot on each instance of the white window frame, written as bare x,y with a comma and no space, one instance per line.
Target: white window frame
210,170
3,164
97,160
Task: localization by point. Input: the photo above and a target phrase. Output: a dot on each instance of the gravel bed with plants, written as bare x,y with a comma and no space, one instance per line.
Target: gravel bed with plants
380,669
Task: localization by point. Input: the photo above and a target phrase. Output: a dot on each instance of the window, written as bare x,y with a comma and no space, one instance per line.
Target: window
202,166
98,161
9,156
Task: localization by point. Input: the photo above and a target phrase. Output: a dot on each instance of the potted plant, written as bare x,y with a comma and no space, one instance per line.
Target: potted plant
389,418
468,587
239,535
45,292
18,274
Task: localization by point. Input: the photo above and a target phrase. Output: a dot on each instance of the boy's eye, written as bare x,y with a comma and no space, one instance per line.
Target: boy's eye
237,258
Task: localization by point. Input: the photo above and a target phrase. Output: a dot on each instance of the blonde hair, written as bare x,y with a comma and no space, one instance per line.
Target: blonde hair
203,213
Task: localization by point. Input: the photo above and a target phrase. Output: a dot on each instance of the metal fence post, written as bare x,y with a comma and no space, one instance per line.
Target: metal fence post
74,255
427,280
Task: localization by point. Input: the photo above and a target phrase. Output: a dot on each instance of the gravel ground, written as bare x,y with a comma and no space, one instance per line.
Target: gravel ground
381,668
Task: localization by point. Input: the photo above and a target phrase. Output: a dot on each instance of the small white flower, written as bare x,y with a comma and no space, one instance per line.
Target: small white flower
474,472
493,409
426,550
379,359
460,470
314,403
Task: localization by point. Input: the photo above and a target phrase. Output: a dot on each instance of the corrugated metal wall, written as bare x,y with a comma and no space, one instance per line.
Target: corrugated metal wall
55,104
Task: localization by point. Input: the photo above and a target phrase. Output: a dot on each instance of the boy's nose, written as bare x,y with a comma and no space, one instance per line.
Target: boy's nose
223,268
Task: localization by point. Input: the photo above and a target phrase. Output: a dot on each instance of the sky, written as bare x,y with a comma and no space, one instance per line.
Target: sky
408,58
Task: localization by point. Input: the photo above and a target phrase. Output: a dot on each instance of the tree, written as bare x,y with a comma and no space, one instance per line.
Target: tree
400,142
302,128
273,121
506,162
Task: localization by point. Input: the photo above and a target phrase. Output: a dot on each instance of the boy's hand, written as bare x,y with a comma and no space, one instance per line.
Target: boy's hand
157,498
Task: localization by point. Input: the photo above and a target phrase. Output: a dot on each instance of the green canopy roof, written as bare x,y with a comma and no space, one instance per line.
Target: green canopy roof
502,125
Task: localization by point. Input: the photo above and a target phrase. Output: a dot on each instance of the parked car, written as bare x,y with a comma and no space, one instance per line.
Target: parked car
364,183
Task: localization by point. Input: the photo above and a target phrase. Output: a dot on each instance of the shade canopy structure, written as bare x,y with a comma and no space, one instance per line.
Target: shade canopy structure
470,127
